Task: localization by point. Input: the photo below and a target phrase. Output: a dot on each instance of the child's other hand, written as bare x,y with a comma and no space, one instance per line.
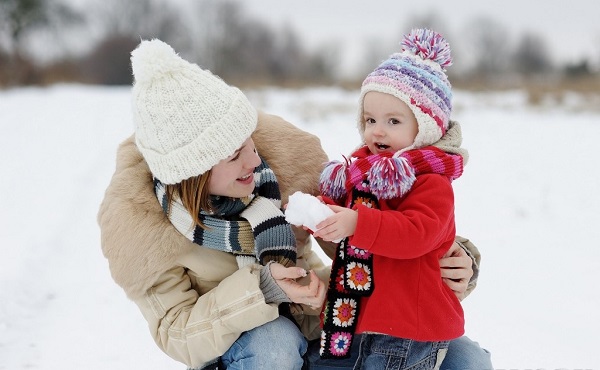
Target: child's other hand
338,226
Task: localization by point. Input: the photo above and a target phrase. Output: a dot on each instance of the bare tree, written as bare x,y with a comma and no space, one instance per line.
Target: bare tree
216,34
430,20
597,53
578,69
109,62
287,57
140,19
20,20
531,55
374,54
242,50
486,44
121,26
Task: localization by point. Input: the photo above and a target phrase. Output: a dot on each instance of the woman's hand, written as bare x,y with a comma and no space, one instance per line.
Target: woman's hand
312,294
457,269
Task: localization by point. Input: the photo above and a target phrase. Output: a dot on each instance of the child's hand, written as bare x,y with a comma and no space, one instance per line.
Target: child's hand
338,226
306,210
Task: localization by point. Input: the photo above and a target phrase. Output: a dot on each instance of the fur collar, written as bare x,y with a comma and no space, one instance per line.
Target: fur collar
451,142
137,238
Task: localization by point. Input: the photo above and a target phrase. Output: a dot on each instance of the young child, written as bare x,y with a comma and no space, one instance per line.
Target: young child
395,213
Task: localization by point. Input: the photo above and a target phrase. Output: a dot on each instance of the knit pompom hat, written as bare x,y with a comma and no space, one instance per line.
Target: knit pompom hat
186,119
416,76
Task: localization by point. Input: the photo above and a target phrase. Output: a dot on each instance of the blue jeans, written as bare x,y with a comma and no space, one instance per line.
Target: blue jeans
275,345
462,354
384,352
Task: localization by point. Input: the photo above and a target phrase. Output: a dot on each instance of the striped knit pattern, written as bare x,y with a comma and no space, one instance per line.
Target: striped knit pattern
416,75
273,236
421,84
429,45
251,228
387,175
433,160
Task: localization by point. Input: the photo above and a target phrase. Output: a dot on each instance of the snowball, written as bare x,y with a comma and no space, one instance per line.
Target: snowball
306,210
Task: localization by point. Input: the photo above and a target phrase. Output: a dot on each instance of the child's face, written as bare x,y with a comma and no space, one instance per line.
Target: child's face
234,175
390,125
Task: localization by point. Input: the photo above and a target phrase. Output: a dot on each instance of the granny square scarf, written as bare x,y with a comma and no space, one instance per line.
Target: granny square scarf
365,180
252,228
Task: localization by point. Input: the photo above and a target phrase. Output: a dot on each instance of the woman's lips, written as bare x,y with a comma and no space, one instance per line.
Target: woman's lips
246,179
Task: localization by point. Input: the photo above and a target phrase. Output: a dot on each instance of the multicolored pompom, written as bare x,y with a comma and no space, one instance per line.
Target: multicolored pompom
429,45
391,177
332,182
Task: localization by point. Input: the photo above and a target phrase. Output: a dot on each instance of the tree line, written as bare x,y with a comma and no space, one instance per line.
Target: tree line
92,45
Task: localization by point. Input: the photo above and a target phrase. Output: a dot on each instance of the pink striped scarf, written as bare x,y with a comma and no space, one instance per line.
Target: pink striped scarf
386,175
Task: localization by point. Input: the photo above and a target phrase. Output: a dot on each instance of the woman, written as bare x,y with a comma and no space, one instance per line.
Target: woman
210,306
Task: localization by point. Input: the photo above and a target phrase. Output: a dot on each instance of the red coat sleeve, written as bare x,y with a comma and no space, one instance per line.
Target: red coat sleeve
414,226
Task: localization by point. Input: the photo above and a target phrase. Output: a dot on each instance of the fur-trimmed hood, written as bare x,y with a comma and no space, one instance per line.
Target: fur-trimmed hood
137,238
451,141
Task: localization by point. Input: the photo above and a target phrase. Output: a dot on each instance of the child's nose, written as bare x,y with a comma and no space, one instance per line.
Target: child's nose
378,129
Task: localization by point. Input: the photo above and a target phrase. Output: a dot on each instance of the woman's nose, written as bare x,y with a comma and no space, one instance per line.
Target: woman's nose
252,160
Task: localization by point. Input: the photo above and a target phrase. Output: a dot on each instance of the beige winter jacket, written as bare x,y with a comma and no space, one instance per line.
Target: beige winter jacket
196,300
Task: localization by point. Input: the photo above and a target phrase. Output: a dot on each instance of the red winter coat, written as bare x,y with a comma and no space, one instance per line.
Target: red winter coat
407,238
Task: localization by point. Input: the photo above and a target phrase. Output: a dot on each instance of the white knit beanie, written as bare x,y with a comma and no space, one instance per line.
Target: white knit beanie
186,119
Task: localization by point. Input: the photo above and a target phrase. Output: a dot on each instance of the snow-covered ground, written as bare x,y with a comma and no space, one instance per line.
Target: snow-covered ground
529,200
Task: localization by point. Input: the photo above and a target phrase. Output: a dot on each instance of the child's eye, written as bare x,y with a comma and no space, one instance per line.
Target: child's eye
369,120
394,121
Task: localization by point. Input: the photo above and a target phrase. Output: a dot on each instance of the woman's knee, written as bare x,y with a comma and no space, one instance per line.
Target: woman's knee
463,353
280,332
278,343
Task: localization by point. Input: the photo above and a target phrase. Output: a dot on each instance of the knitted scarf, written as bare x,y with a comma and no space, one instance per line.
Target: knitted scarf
365,180
252,228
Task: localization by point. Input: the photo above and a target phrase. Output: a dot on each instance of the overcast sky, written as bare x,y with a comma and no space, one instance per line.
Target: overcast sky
571,29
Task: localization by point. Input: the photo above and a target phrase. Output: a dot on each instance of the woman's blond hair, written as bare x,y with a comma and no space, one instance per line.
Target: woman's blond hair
194,196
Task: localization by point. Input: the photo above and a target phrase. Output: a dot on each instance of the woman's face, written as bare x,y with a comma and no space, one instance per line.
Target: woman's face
234,176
